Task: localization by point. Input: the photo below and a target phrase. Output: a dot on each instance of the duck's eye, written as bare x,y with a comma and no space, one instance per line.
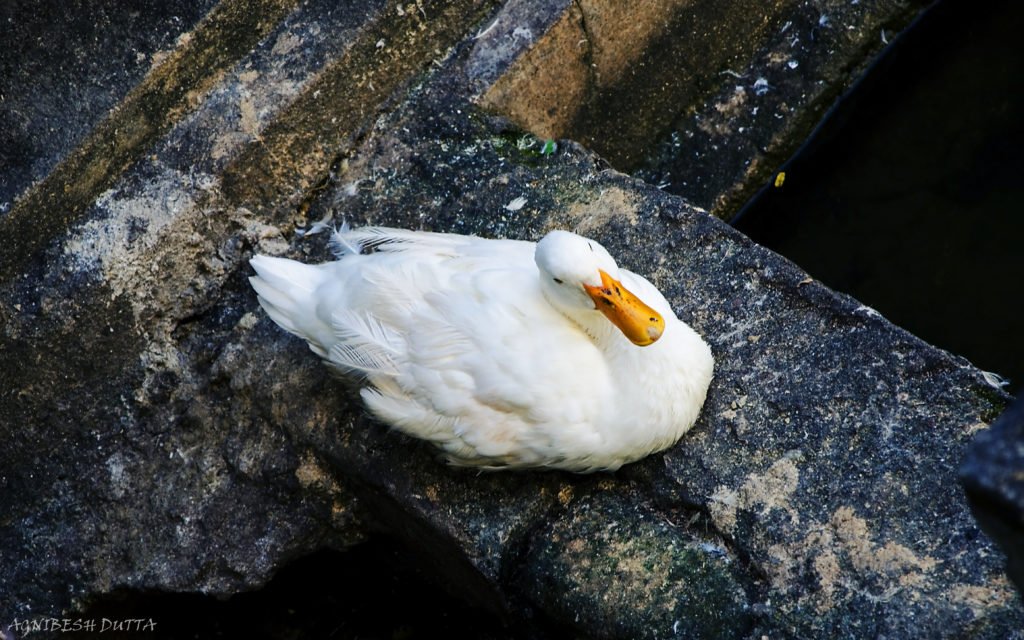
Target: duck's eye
558,281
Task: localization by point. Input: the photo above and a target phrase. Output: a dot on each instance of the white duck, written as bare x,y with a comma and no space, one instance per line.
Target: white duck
502,353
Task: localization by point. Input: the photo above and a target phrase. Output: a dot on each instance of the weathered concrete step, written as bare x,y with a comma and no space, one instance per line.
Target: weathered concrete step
706,98
169,90
63,69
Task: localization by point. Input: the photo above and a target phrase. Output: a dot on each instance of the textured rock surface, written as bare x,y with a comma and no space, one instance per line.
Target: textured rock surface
162,434
746,126
722,90
592,566
993,475
124,469
62,70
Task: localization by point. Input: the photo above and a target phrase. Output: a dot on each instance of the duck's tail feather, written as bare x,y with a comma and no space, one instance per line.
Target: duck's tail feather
286,292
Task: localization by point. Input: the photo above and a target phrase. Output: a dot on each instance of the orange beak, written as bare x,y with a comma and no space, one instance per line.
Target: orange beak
637,321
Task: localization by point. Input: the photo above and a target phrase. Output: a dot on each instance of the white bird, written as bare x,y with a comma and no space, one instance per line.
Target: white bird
503,353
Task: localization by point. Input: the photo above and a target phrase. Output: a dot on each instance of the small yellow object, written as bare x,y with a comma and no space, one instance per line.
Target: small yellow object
780,179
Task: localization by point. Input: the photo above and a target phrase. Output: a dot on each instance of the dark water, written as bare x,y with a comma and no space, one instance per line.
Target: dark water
911,195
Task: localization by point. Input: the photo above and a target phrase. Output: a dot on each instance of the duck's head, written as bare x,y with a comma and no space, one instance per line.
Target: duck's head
578,274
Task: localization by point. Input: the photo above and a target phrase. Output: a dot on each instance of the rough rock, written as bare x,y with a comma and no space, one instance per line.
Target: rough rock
590,567
161,434
720,90
63,69
123,469
821,418
993,477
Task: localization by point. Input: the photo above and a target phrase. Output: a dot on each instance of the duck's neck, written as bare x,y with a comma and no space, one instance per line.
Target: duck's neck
605,335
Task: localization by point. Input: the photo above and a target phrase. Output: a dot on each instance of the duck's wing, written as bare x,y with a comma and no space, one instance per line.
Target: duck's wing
428,244
483,365
370,300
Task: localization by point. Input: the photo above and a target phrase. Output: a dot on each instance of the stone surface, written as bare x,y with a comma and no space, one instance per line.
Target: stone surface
993,476
63,69
162,434
172,89
749,122
625,69
723,91
123,470
591,567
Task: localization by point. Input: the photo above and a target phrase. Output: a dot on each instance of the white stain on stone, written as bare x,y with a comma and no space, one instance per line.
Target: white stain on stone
126,224
118,478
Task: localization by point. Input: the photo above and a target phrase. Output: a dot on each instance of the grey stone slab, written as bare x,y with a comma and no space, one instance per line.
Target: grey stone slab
64,65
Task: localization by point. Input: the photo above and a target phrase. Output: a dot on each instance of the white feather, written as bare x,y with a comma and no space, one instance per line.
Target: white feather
342,244
363,344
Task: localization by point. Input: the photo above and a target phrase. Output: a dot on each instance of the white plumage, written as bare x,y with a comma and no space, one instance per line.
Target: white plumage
495,350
